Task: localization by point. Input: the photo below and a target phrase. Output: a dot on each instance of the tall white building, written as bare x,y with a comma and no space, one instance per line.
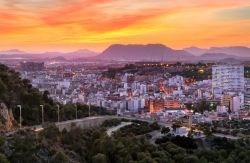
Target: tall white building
247,94
228,78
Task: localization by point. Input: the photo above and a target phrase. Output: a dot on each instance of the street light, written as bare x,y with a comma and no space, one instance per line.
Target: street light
42,114
76,110
58,113
89,109
20,116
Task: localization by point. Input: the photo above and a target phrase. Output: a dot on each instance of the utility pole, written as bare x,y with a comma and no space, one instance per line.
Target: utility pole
42,114
58,113
20,115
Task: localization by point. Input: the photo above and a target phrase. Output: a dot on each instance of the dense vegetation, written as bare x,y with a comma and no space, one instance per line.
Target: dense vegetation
234,127
184,142
15,91
94,146
191,71
111,122
137,128
195,73
128,68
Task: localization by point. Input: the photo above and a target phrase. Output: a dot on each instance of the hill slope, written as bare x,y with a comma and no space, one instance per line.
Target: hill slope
15,91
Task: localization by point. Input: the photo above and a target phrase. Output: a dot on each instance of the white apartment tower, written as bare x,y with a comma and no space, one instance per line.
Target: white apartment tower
228,78
247,94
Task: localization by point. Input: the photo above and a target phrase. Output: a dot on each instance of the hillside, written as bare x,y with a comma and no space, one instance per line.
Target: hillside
15,91
150,52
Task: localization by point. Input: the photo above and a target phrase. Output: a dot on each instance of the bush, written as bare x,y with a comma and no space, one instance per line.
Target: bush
111,122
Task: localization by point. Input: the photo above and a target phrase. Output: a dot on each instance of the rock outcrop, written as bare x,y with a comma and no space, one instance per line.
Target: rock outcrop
7,121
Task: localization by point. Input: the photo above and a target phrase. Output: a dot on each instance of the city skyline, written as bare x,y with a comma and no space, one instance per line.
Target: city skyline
43,25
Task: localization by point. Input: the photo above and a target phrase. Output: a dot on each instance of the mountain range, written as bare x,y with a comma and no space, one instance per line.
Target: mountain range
159,52
154,52
240,51
15,53
137,52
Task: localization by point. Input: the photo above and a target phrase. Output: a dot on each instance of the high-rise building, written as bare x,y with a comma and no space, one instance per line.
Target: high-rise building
228,78
247,94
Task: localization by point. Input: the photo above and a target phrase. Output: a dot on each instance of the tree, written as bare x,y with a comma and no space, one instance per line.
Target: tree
154,126
2,143
59,157
165,130
51,132
191,159
3,159
99,158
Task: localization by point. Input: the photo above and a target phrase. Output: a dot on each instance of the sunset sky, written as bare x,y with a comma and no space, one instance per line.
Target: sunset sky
66,25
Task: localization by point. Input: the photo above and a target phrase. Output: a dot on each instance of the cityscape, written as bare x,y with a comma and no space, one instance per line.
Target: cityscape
128,91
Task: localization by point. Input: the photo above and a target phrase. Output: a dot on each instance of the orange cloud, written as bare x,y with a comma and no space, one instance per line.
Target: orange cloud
44,24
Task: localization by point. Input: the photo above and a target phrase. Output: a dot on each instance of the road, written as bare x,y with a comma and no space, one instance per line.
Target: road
167,124
226,136
113,129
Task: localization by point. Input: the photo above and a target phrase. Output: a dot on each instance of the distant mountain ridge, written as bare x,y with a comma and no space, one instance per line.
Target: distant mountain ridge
195,50
236,51
14,53
215,56
137,52
149,52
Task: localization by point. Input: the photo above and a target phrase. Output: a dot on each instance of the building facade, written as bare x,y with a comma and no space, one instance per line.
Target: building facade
226,78
247,94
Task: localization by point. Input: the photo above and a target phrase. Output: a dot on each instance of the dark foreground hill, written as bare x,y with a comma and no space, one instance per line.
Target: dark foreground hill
15,91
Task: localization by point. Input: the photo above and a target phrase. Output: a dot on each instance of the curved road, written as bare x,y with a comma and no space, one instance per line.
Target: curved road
39,127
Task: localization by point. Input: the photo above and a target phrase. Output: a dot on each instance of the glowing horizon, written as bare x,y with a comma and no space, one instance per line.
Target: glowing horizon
68,25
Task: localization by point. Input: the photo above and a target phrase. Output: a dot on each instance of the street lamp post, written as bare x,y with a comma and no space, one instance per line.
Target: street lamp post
20,115
58,113
42,114
76,111
89,109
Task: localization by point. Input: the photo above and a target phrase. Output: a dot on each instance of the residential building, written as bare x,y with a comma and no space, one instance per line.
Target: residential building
228,78
247,94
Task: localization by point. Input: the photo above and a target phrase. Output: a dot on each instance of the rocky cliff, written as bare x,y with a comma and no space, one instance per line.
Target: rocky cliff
7,121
